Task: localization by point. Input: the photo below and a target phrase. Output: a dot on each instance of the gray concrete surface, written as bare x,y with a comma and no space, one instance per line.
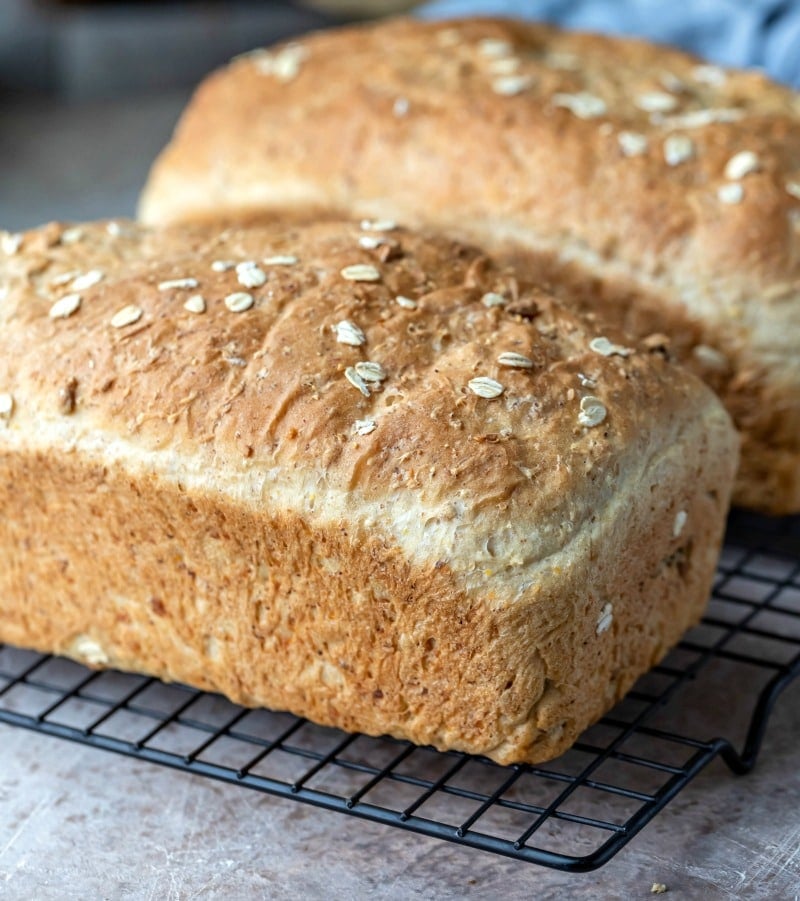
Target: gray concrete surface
77,823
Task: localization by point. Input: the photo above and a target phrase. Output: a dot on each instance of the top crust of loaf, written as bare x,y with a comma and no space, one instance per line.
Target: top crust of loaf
273,404
588,121
634,164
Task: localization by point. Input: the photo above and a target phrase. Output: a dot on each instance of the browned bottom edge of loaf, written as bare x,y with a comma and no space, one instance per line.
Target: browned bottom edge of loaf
338,627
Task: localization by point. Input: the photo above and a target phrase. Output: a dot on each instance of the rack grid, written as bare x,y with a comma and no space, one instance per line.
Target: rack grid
573,813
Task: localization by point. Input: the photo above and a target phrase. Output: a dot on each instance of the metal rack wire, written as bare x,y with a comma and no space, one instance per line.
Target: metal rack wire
573,813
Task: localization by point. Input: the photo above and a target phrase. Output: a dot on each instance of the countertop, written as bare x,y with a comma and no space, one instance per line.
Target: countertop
80,823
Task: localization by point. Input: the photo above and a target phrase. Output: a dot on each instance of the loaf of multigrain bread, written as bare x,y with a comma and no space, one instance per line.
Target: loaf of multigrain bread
350,472
660,192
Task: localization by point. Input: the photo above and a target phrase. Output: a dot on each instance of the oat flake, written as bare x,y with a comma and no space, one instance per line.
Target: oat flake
484,386
711,75
372,242
678,149
285,259
731,194
10,242
583,104
71,235
593,411
65,306
87,280
605,619
741,164
195,304
6,406
494,47
632,143
601,345
239,301
364,426
127,316
378,225
349,333
177,283
356,381
371,372
511,85
361,272
250,275
515,360
507,66
656,102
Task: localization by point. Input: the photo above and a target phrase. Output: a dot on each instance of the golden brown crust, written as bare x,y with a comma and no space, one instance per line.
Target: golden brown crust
485,573
408,119
761,398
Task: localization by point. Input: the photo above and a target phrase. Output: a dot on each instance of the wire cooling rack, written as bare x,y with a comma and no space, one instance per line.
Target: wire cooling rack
573,813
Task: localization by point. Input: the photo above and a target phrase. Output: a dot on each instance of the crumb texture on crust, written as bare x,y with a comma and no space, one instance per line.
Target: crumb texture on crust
628,163
327,518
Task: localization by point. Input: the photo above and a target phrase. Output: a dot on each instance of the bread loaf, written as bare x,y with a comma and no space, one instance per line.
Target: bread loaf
655,190
368,477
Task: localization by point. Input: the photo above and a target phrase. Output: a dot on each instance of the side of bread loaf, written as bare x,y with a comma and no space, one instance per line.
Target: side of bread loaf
657,191
367,477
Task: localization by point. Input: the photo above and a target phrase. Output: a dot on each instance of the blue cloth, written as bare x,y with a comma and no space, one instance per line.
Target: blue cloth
755,33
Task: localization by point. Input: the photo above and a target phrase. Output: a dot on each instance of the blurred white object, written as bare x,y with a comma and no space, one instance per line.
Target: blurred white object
362,7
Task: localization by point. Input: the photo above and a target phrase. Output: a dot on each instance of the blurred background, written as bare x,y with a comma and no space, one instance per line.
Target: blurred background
97,49
90,91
